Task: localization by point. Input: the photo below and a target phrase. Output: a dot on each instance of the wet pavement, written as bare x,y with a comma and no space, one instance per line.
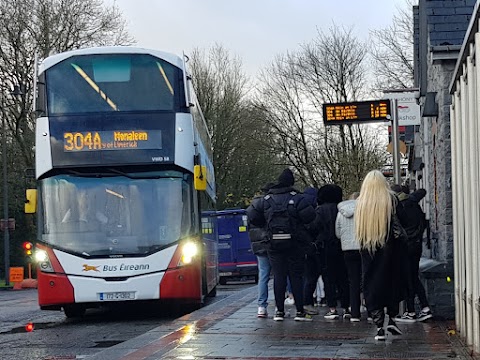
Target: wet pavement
229,329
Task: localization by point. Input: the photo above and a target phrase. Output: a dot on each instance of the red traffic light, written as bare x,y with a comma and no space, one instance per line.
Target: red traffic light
28,247
29,327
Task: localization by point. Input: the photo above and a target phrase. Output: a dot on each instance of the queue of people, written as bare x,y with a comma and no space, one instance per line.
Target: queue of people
365,249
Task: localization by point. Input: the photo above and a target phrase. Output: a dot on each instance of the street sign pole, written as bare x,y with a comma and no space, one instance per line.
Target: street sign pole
396,144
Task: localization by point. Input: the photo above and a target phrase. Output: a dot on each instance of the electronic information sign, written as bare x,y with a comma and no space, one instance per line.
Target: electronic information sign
112,140
356,112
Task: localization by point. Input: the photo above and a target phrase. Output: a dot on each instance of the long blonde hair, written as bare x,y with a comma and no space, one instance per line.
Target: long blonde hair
373,211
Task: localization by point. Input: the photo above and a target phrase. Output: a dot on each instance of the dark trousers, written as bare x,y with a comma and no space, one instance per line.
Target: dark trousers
353,262
415,286
378,315
288,264
312,272
335,279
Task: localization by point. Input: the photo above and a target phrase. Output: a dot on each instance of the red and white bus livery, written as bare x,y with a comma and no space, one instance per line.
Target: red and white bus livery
124,170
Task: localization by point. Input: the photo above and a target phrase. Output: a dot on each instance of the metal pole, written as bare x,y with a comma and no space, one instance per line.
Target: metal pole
396,144
6,234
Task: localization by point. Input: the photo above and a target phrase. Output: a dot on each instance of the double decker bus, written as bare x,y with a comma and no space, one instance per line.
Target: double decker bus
124,170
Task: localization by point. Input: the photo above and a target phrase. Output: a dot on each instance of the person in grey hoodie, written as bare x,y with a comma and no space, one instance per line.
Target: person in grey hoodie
345,231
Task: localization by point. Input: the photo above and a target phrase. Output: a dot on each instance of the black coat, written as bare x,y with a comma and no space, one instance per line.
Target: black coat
324,227
259,237
304,211
415,217
326,243
385,272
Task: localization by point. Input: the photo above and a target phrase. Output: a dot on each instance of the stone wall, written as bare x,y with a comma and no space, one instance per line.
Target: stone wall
439,192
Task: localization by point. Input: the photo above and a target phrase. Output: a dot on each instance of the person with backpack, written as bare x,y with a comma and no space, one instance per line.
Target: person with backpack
414,228
283,211
259,240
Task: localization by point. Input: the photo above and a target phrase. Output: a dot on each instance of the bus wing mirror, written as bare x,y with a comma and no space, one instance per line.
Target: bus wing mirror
31,201
200,177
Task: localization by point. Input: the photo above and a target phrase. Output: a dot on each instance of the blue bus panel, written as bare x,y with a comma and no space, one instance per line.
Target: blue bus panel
235,256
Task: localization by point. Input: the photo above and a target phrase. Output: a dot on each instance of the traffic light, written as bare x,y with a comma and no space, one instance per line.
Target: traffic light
28,248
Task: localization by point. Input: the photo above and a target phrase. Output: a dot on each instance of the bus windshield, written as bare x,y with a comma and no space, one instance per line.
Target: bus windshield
107,83
139,213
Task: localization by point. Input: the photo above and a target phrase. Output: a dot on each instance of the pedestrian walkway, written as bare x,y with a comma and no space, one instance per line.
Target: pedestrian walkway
229,329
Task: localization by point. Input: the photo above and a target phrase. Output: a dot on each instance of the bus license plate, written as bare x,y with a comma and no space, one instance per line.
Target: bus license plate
117,296
225,273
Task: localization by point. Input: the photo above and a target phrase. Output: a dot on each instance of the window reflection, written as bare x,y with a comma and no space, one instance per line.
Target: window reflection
115,215
105,83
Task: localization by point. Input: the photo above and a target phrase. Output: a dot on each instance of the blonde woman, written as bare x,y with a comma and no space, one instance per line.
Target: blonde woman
383,254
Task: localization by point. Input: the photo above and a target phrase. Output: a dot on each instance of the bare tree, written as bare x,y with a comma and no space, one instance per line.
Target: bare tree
329,69
392,51
241,164
42,27
333,66
292,123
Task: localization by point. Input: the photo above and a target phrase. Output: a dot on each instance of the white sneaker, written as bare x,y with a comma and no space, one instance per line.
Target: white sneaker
425,314
407,317
262,312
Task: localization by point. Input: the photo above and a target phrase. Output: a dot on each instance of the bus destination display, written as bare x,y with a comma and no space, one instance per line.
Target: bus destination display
112,140
356,112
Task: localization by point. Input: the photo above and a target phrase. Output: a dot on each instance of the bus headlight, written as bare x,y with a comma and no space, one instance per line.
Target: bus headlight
40,255
189,251
43,261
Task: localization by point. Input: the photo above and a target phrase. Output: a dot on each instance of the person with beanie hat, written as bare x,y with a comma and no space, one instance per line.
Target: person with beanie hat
286,178
283,211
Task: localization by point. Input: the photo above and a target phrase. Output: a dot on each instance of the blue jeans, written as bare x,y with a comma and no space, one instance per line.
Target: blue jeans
263,278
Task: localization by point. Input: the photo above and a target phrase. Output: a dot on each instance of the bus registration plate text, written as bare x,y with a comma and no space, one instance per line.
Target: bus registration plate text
117,296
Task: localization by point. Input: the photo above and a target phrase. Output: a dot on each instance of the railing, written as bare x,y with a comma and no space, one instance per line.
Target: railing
465,135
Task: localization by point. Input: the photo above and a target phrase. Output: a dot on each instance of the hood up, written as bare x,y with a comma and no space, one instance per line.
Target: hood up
347,208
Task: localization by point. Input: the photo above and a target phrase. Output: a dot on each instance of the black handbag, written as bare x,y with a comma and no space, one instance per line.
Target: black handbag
399,232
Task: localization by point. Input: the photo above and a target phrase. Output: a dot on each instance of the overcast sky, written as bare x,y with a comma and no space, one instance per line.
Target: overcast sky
255,30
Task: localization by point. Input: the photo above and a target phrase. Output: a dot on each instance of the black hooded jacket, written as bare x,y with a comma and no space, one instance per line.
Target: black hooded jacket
414,215
326,213
303,213
259,237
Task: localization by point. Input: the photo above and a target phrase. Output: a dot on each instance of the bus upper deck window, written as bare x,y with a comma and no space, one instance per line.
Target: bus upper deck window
111,70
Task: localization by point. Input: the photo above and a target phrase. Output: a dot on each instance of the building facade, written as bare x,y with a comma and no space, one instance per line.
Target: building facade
439,32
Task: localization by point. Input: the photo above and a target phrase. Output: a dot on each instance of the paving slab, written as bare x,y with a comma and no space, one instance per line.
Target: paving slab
230,330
